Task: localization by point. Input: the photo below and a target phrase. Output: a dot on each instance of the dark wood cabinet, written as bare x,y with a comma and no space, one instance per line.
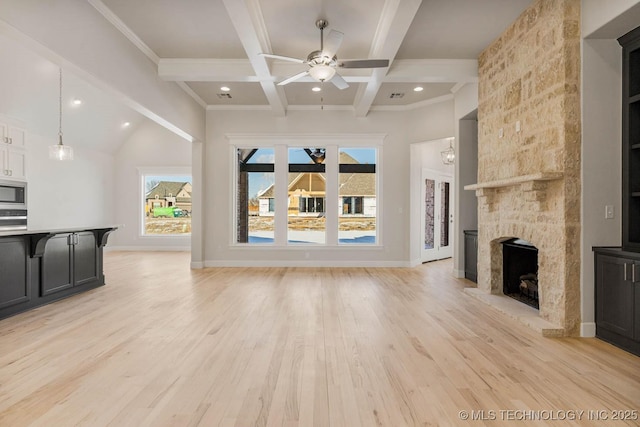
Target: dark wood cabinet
617,297
85,258
15,272
37,268
69,260
57,265
471,255
630,43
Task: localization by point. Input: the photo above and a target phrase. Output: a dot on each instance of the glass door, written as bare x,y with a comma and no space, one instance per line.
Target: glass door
437,216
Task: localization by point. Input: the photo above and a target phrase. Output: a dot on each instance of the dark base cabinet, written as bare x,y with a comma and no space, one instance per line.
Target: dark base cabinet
38,268
618,297
471,255
15,272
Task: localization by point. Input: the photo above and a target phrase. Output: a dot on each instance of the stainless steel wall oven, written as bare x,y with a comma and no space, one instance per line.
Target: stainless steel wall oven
13,205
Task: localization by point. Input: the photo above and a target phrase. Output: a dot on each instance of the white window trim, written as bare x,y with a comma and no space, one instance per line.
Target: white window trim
159,171
281,143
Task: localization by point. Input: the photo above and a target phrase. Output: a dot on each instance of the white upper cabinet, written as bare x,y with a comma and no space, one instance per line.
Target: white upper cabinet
13,154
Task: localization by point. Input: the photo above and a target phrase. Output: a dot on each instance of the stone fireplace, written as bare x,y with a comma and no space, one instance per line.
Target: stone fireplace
529,155
520,272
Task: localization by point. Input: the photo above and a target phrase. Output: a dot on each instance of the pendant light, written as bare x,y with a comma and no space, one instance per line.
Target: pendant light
60,151
448,155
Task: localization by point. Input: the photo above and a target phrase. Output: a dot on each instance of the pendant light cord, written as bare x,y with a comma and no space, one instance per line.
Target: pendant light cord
60,105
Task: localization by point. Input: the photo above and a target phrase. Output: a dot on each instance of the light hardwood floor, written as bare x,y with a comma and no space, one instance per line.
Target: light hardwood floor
163,345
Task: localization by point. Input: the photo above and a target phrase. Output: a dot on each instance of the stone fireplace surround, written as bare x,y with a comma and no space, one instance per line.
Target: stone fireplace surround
526,207
529,147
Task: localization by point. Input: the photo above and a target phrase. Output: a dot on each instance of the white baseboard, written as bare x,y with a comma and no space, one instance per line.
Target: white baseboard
195,265
588,329
415,262
149,248
305,263
458,274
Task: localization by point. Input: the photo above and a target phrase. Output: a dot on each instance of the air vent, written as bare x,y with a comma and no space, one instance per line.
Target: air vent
396,95
224,95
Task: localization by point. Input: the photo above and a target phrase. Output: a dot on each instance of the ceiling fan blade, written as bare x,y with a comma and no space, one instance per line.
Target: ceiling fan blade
293,78
364,63
332,43
284,58
339,82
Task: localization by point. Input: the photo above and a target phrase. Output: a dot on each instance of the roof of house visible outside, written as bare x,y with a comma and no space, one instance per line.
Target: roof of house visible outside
166,188
351,184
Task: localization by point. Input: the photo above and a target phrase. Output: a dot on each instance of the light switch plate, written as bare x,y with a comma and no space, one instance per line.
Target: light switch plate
608,212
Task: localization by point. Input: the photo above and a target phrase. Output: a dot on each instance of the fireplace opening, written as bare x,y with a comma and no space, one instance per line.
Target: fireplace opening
520,271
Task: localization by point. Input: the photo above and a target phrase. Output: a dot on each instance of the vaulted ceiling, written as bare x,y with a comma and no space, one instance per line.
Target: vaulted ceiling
203,45
206,44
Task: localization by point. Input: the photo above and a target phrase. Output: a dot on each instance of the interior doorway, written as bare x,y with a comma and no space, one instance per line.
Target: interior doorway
436,216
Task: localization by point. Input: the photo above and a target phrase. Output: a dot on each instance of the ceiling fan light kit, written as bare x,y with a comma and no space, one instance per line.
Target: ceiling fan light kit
323,63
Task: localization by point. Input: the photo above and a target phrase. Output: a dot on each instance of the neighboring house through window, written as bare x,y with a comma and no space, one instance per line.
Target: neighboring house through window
306,195
166,202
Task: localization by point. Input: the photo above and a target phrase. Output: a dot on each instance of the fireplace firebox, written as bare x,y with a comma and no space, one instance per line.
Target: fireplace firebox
520,271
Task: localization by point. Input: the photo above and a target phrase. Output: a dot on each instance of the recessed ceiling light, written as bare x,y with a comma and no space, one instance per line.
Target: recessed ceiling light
77,101
126,124
316,89
225,88
418,89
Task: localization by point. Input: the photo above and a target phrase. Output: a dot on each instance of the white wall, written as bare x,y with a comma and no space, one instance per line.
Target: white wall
466,102
601,160
75,35
609,19
68,194
602,23
150,146
401,129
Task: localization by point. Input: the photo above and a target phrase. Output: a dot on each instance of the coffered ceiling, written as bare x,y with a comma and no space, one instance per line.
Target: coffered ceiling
206,44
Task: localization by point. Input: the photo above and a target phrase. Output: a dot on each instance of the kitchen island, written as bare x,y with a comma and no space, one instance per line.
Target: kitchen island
41,266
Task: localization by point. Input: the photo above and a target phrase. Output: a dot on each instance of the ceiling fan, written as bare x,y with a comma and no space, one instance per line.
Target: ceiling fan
323,63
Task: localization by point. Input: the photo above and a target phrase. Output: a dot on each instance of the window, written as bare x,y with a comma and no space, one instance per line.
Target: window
307,187
166,204
358,195
255,195
288,194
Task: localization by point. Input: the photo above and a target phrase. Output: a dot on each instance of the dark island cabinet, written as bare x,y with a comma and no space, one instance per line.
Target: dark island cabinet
69,260
37,268
15,272
618,297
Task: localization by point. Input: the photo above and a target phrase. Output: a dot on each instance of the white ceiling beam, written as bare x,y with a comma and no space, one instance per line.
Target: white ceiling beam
394,23
247,19
432,71
239,70
207,70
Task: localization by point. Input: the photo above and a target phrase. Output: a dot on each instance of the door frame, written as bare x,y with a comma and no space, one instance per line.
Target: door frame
415,196
437,252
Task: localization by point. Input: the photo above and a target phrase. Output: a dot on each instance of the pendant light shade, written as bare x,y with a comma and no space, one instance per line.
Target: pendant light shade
60,151
449,155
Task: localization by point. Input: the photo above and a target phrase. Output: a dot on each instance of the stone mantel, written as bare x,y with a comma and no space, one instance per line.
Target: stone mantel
516,180
534,186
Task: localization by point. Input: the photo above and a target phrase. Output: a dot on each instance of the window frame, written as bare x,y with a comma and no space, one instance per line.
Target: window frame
281,144
145,171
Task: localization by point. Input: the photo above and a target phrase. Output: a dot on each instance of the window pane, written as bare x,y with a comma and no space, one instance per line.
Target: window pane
444,214
357,195
306,194
167,205
255,197
429,213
